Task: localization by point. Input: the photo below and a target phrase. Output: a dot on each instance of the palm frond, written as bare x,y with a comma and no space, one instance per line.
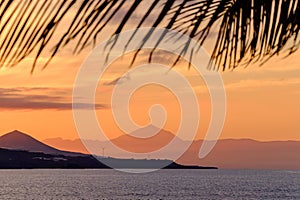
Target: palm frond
256,30
247,30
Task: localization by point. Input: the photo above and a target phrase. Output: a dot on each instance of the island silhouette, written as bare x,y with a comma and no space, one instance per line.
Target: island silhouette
227,154
21,151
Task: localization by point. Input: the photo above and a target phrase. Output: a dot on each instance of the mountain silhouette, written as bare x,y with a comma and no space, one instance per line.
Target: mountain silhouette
21,151
17,140
129,142
146,139
227,154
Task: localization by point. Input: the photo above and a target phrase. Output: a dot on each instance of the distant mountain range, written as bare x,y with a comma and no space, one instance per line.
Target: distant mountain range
227,154
17,140
19,150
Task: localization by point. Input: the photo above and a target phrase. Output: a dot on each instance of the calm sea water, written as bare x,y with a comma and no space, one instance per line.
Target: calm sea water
164,184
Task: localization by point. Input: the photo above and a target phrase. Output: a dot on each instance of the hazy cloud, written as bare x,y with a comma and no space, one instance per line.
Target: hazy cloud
39,98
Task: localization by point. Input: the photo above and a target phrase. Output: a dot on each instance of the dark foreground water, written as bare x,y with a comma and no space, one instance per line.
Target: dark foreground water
164,184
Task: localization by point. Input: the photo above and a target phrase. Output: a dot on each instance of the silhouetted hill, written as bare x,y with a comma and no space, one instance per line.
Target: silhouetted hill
19,150
142,141
227,154
125,141
17,140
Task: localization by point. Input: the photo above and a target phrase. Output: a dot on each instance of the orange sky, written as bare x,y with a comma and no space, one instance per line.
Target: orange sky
263,102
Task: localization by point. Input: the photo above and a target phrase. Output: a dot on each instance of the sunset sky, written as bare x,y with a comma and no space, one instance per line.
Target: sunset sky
262,101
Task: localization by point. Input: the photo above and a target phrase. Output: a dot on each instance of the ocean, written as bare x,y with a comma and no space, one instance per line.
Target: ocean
163,184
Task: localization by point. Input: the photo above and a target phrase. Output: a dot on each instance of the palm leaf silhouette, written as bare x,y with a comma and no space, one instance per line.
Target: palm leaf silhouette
244,31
